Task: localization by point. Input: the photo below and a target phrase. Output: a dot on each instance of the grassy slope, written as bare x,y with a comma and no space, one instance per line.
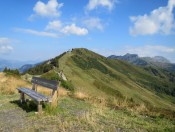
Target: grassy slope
8,84
98,76
75,115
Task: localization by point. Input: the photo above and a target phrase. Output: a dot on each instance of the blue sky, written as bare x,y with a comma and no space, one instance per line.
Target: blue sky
41,29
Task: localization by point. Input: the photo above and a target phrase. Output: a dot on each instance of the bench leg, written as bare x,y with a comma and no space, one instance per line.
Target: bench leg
39,107
22,97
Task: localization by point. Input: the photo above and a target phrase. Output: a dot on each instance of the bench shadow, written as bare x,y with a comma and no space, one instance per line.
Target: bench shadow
28,106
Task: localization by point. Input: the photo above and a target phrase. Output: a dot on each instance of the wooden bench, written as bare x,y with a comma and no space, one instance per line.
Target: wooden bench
38,97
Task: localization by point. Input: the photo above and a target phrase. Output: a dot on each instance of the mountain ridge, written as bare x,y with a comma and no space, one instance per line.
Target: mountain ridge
97,75
157,61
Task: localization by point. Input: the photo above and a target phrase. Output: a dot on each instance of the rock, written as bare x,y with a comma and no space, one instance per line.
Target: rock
61,74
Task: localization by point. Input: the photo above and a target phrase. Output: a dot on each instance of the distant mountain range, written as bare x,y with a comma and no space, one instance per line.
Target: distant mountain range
25,67
15,64
10,64
157,61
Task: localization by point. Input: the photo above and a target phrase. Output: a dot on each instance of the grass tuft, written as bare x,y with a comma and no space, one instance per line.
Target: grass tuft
80,95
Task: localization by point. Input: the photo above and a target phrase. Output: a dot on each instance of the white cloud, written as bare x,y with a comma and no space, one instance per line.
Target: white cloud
38,33
5,46
58,27
93,4
55,30
73,29
54,25
160,20
51,9
150,50
171,4
93,23
4,40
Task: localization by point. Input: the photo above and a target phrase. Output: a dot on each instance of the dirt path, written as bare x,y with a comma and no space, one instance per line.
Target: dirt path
12,120
12,117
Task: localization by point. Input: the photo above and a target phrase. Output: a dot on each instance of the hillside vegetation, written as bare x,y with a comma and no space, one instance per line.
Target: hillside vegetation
110,79
74,112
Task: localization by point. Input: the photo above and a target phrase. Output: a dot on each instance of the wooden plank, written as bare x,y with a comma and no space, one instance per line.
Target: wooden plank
33,94
46,83
36,93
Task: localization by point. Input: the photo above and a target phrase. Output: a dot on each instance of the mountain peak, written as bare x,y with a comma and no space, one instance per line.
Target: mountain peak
127,57
131,55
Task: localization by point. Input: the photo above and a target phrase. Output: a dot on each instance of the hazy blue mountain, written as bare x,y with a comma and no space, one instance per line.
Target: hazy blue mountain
160,59
13,64
10,64
26,67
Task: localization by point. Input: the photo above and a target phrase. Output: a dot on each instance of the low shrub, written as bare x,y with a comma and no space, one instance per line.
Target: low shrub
11,72
51,76
68,85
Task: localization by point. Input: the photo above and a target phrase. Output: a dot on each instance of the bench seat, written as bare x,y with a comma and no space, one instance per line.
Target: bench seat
38,97
33,94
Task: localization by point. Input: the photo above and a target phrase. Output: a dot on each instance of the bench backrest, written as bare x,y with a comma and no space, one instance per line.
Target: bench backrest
45,83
